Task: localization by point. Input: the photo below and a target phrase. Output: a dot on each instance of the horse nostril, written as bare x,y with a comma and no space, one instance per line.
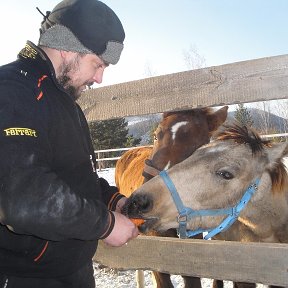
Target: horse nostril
134,204
144,203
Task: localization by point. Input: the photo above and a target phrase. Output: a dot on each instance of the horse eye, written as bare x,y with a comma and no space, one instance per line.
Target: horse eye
225,175
159,135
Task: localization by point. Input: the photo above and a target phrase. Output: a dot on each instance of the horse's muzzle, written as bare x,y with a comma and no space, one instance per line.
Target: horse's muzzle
137,206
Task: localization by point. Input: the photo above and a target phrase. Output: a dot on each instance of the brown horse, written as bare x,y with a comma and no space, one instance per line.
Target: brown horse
177,136
238,165
129,168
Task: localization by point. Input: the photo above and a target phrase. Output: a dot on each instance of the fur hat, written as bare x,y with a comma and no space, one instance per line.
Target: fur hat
84,26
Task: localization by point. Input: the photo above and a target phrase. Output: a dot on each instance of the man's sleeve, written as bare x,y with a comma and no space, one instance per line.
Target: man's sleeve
111,195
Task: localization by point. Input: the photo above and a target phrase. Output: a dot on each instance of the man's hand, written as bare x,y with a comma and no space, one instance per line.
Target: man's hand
120,204
123,231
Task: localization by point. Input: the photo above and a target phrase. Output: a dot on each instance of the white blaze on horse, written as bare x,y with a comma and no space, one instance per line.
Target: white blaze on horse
236,183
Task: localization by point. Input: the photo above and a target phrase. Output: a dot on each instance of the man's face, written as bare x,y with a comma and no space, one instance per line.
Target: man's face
78,71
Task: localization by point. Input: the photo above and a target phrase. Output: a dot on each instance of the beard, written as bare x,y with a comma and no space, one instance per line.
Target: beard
65,80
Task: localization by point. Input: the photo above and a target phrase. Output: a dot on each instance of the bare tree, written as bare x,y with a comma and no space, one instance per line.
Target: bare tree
148,70
282,108
192,59
264,116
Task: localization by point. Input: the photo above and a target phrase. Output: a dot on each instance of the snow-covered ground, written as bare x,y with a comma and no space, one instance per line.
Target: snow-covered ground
107,174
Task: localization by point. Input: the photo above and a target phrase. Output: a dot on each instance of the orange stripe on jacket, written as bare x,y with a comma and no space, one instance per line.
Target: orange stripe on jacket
39,84
42,252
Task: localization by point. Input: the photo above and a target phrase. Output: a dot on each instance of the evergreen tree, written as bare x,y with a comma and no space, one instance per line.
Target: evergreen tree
151,133
108,134
131,141
243,116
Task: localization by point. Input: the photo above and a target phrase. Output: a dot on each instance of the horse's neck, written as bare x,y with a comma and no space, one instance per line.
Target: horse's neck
266,215
238,232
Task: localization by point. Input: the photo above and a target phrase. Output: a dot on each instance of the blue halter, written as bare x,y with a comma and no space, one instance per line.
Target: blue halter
186,213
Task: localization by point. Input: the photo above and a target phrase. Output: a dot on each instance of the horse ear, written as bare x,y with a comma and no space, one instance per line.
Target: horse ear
277,167
276,153
166,114
217,118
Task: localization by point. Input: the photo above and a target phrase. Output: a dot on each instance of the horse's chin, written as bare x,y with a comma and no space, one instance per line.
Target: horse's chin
148,225
155,227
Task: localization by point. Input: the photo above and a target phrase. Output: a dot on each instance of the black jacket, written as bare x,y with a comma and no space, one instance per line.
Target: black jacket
53,206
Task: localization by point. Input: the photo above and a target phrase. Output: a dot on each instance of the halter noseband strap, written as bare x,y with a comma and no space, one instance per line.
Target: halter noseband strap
186,213
149,170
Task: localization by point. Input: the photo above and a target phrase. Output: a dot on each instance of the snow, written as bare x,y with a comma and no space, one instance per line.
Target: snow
107,277
107,174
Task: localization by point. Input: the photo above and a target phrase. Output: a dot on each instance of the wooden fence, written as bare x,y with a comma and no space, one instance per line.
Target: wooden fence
242,82
101,155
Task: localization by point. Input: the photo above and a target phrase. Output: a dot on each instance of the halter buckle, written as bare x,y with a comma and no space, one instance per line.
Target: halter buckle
182,218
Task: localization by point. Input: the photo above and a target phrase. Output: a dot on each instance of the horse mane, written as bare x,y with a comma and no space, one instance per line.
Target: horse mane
279,177
243,135
247,135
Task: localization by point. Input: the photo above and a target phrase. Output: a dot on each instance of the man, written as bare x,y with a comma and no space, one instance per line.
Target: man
53,206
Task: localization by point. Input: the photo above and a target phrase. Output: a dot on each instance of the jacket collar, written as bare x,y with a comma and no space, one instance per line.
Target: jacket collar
34,56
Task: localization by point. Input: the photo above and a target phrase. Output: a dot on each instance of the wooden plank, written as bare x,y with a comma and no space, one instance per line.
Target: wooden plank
252,262
241,82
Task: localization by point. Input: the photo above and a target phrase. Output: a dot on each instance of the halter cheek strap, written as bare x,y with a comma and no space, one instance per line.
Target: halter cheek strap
186,213
150,170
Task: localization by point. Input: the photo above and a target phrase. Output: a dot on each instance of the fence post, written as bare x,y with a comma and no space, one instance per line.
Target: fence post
100,164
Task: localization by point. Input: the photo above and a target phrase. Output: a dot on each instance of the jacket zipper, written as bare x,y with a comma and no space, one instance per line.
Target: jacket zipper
87,147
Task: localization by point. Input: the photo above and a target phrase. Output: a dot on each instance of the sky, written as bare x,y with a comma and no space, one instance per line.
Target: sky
159,32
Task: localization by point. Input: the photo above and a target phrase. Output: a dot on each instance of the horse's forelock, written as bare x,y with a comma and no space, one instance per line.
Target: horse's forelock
243,135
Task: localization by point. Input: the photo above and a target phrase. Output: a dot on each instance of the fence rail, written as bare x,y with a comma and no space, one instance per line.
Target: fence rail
99,153
275,135
265,263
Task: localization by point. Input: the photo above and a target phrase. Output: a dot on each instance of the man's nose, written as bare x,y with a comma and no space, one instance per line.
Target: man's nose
98,77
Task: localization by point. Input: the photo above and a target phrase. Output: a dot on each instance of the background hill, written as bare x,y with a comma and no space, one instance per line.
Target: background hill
264,122
141,126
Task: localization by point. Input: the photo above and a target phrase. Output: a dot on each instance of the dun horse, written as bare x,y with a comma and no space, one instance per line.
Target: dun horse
217,177
178,135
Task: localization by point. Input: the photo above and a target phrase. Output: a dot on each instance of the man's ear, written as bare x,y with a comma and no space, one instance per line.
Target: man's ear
66,55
